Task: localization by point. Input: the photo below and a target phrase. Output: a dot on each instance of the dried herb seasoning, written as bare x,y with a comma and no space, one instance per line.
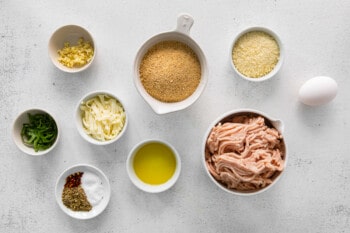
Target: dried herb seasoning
73,195
75,199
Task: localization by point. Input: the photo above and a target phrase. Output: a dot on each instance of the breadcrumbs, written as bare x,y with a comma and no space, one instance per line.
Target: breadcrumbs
170,71
77,55
255,54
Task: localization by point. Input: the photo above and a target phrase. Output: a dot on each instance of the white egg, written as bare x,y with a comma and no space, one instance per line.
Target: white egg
318,90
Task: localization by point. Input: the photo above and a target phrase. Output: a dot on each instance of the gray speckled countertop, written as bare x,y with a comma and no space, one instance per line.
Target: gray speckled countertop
312,196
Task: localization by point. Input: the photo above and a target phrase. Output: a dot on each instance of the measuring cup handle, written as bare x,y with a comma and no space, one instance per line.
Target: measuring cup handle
184,23
279,125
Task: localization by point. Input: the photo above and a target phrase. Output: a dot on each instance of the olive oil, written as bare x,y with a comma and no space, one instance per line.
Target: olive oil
154,163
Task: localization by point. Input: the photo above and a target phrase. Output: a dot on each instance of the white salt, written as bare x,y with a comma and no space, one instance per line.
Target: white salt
93,187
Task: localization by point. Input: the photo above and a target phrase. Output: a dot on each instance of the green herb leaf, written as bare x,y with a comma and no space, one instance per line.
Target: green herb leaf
40,133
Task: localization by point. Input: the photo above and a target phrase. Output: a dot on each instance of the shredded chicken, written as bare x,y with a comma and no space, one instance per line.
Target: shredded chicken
244,154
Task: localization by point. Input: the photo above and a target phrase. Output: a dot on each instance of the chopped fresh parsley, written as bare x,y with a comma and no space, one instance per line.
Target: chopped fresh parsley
40,133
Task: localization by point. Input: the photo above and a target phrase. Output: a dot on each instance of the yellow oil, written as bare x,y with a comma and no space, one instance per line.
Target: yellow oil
154,163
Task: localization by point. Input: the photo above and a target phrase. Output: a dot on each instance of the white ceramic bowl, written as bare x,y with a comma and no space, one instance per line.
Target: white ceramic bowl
79,124
17,128
71,34
96,209
181,34
279,63
277,124
148,187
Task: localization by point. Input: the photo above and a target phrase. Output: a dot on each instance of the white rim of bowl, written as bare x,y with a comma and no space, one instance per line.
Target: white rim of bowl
30,151
222,187
78,119
277,66
147,187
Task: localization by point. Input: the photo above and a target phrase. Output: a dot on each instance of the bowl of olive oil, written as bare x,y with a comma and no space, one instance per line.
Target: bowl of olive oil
153,166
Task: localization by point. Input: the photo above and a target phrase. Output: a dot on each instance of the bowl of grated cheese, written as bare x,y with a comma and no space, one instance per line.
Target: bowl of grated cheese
256,54
72,48
101,117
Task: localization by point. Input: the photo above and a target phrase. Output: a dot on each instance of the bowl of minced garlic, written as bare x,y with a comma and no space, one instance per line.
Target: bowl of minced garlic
256,54
72,48
170,69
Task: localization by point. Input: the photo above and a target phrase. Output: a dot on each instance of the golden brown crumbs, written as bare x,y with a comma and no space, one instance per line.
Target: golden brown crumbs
170,71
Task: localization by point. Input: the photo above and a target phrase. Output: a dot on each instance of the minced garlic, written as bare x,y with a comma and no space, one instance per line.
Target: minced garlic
255,54
77,55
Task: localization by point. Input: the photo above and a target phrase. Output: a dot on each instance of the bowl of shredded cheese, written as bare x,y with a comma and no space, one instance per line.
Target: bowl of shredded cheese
256,54
72,48
244,152
170,69
101,118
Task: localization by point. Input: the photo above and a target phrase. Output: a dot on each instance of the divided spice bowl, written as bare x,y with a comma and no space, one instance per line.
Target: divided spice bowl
22,119
180,34
280,58
96,187
70,34
238,152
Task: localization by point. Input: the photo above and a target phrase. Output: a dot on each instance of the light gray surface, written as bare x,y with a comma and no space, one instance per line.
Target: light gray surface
313,196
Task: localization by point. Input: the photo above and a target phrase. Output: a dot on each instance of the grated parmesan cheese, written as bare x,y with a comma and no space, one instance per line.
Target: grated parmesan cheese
255,54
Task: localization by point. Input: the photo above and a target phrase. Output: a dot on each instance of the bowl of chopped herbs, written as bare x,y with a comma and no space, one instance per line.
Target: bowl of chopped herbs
35,132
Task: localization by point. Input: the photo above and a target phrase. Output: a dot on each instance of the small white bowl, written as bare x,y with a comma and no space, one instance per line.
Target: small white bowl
181,34
280,60
71,34
17,128
97,209
148,187
277,124
79,124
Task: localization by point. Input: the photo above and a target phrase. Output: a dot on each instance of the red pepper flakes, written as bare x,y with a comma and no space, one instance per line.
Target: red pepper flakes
73,180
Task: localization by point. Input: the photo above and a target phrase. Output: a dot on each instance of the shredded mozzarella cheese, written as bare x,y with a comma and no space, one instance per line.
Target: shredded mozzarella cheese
103,117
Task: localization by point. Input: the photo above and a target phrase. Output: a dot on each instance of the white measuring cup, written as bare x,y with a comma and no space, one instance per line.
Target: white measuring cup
181,34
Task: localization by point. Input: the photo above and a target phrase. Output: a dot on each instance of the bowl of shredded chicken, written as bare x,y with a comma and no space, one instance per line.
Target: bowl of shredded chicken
245,152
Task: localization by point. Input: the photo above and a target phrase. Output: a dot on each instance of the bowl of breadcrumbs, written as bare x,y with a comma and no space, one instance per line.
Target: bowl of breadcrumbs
170,69
256,54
